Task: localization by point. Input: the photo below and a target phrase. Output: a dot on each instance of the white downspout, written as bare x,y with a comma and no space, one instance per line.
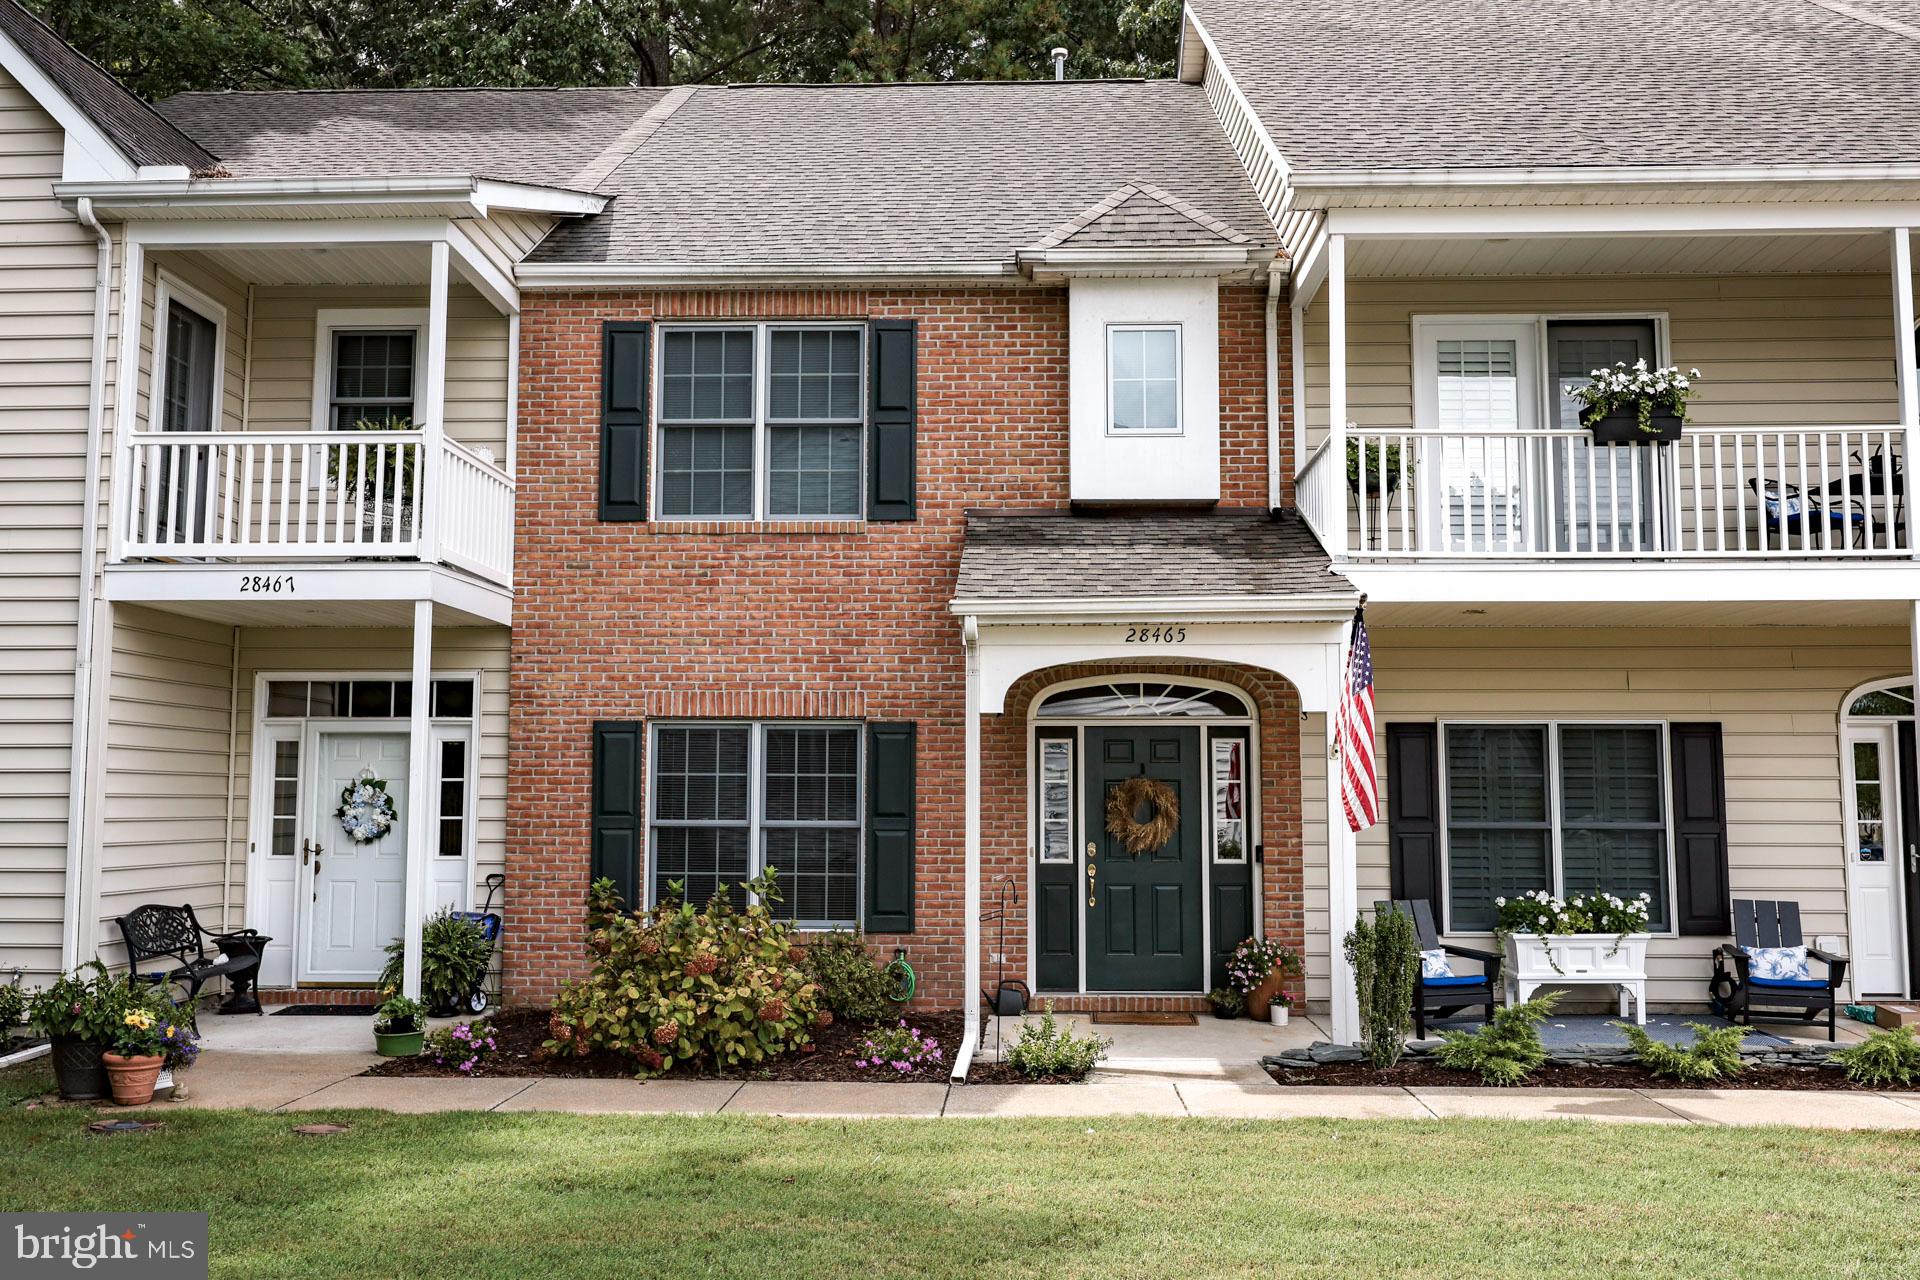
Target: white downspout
72,924
1274,284
970,967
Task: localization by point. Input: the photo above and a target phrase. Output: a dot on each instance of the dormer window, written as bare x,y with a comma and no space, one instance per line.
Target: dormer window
1143,379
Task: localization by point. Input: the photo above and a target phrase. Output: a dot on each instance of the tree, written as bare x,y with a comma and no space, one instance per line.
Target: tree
161,47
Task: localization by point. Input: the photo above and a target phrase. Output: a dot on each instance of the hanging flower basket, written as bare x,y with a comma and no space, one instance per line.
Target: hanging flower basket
366,810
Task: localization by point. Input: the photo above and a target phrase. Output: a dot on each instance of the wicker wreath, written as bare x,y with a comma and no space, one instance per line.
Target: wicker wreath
1125,800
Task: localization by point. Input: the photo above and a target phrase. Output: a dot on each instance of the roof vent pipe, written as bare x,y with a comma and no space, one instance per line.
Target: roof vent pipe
1059,63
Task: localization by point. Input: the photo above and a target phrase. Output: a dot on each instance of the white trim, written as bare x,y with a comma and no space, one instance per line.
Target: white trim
167,288
1638,582
1885,683
1605,175
482,272
577,275
1905,373
1556,866
1179,427
1329,607
126,393
1267,144
243,232
1576,221
329,319
90,154
319,581
175,191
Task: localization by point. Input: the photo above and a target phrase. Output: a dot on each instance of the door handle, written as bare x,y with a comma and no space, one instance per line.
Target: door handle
1913,861
1090,872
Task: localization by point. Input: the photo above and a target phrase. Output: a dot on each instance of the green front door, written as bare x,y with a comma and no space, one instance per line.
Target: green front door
1144,910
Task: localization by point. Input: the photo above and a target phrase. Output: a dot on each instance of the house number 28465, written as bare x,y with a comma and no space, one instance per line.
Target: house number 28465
1156,635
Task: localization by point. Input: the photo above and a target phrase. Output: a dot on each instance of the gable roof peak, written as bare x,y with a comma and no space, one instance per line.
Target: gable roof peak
1141,215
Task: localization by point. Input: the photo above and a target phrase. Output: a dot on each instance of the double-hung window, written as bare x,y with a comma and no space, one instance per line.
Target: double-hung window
731,800
761,421
1143,379
1568,808
372,379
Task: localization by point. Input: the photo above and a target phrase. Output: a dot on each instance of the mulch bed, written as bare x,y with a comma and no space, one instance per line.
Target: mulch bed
1416,1075
521,1034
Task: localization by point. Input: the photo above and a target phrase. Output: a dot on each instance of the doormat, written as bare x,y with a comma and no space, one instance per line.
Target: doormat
1144,1020
324,1011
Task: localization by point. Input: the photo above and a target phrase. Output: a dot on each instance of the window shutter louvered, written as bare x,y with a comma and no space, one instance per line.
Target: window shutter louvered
890,828
1704,899
624,383
619,808
891,403
1413,812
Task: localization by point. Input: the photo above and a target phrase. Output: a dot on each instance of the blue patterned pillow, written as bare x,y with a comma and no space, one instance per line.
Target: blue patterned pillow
1434,964
1779,964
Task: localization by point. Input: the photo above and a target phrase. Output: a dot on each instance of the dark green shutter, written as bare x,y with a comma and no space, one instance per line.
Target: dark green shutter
891,397
623,420
1413,813
1704,905
890,828
619,806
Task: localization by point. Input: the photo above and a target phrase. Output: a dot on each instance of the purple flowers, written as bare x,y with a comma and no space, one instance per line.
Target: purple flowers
462,1046
903,1048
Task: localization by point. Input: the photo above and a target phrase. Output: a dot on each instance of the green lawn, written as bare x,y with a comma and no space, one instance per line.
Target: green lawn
476,1195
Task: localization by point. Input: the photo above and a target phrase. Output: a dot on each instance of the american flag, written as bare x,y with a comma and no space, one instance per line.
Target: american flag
1360,779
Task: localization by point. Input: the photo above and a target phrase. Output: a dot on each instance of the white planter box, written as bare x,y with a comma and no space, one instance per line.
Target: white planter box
1277,1014
1582,959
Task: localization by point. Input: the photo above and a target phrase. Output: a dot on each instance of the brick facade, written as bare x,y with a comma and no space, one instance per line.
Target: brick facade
638,620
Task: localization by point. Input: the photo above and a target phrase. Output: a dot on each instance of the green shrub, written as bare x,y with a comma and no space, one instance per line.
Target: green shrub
675,984
86,1004
851,984
398,1016
1227,1002
454,956
1386,973
1713,1055
1505,1051
1890,1056
1046,1048
13,1008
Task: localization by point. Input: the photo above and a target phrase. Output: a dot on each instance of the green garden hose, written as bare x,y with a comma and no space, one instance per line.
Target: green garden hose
902,975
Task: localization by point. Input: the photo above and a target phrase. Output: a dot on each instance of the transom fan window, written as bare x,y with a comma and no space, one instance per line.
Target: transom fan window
1897,701
1141,698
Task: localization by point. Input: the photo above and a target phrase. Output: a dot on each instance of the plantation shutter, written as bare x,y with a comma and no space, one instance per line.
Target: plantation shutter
623,420
1413,811
619,810
891,398
1703,905
890,828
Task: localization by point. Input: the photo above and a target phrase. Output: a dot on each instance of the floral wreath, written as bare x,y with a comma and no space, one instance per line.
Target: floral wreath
1143,837
366,810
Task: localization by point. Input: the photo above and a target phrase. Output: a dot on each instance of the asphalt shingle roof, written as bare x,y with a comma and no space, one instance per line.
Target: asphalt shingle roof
1353,84
890,175
1053,556
1143,217
142,135
546,137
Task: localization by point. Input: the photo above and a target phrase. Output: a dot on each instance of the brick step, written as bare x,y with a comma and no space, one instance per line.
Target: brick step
319,995
1074,1003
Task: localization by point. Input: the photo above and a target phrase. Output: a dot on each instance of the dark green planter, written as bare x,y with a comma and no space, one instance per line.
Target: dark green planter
1624,428
399,1044
77,1068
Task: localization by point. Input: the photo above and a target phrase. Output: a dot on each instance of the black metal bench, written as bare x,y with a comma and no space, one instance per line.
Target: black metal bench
1446,996
154,932
1761,922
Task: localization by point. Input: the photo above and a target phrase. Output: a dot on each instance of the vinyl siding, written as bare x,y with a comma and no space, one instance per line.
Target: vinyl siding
46,312
1776,692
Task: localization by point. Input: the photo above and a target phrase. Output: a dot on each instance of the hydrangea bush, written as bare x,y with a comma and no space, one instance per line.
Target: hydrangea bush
1635,389
675,984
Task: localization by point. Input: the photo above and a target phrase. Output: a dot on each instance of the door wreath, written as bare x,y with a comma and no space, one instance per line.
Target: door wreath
366,810
1125,800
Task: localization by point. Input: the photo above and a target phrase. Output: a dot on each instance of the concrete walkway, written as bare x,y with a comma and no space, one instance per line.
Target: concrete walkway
304,1064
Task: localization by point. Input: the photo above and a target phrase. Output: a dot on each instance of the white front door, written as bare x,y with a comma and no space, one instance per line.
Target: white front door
356,893
1478,381
1873,845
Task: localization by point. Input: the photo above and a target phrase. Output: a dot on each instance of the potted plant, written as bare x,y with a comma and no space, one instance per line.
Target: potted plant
1277,1011
134,1060
399,1028
1588,937
1379,463
1227,1003
1635,405
377,479
180,1046
454,956
79,1013
1257,968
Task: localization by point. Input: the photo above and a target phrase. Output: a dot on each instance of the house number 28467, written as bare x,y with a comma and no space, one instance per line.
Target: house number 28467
272,584
1156,635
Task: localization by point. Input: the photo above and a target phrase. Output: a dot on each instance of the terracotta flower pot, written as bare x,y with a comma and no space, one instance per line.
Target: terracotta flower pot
132,1079
1262,995
77,1069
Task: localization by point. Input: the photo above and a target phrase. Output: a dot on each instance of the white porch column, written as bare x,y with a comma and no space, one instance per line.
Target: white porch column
1903,358
1336,486
1343,874
419,796
970,899
434,398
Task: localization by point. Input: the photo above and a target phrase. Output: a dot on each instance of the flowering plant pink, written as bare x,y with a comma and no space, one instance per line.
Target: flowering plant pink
464,1045
900,1049
1255,958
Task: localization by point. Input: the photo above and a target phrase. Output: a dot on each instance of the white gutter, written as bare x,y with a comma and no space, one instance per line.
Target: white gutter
1330,606
596,274
1574,175
390,189
71,926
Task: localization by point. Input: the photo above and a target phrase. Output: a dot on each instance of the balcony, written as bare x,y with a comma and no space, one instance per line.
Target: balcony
1746,494
273,497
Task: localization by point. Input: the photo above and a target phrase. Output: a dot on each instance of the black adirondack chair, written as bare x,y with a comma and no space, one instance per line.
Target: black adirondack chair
1445,997
1735,993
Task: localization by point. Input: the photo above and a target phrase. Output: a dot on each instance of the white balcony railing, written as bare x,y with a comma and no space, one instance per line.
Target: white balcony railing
282,495
1790,493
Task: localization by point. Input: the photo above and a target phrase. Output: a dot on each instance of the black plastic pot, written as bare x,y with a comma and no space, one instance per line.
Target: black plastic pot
1624,428
77,1068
